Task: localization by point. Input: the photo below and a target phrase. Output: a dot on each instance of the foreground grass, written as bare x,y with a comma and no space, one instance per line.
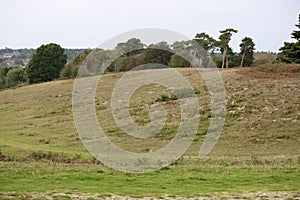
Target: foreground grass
175,180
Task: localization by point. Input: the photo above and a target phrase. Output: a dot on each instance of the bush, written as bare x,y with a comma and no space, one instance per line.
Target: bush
163,98
178,94
182,93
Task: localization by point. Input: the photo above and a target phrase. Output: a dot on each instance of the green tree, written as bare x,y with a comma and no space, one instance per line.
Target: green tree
126,63
234,59
132,47
181,45
184,53
178,61
19,62
95,62
3,73
247,52
290,52
207,43
46,63
224,40
16,76
295,33
158,53
70,69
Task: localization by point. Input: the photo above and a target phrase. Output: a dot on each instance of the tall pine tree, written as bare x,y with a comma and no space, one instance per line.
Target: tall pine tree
290,52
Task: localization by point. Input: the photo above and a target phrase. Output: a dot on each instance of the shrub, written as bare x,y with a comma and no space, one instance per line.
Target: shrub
163,98
182,93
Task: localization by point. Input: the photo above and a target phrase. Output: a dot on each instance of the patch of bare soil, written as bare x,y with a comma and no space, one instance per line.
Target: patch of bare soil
53,196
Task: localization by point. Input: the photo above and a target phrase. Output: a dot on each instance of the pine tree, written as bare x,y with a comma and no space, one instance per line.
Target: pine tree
290,52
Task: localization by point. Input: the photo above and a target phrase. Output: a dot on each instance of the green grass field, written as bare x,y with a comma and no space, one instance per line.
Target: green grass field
258,150
175,180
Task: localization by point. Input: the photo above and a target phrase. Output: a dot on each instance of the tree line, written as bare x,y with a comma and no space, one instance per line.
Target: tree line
49,62
134,53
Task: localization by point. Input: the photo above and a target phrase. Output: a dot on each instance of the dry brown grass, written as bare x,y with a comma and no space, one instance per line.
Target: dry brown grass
279,68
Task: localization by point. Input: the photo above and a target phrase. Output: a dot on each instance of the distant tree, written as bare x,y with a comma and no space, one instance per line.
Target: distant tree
126,63
66,71
132,47
46,63
16,76
207,43
234,59
290,52
70,69
247,52
158,53
3,73
296,34
72,53
19,62
6,50
96,61
178,61
179,46
209,46
184,53
224,40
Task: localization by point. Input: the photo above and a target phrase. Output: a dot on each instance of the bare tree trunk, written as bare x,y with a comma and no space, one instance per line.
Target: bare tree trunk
224,55
243,57
227,61
194,58
211,58
116,69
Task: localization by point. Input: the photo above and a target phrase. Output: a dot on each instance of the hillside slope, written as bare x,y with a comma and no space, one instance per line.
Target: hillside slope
263,115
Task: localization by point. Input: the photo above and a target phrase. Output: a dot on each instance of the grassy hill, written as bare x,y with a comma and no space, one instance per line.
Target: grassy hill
261,129
262,118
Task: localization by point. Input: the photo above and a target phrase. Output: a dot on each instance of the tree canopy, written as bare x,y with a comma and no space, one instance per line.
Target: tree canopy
207,43
46,63
224,40
158,53
247,52
133,46
290,52
71,68
178,61
16,76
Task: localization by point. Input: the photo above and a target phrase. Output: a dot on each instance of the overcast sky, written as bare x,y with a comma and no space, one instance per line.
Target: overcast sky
88,23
